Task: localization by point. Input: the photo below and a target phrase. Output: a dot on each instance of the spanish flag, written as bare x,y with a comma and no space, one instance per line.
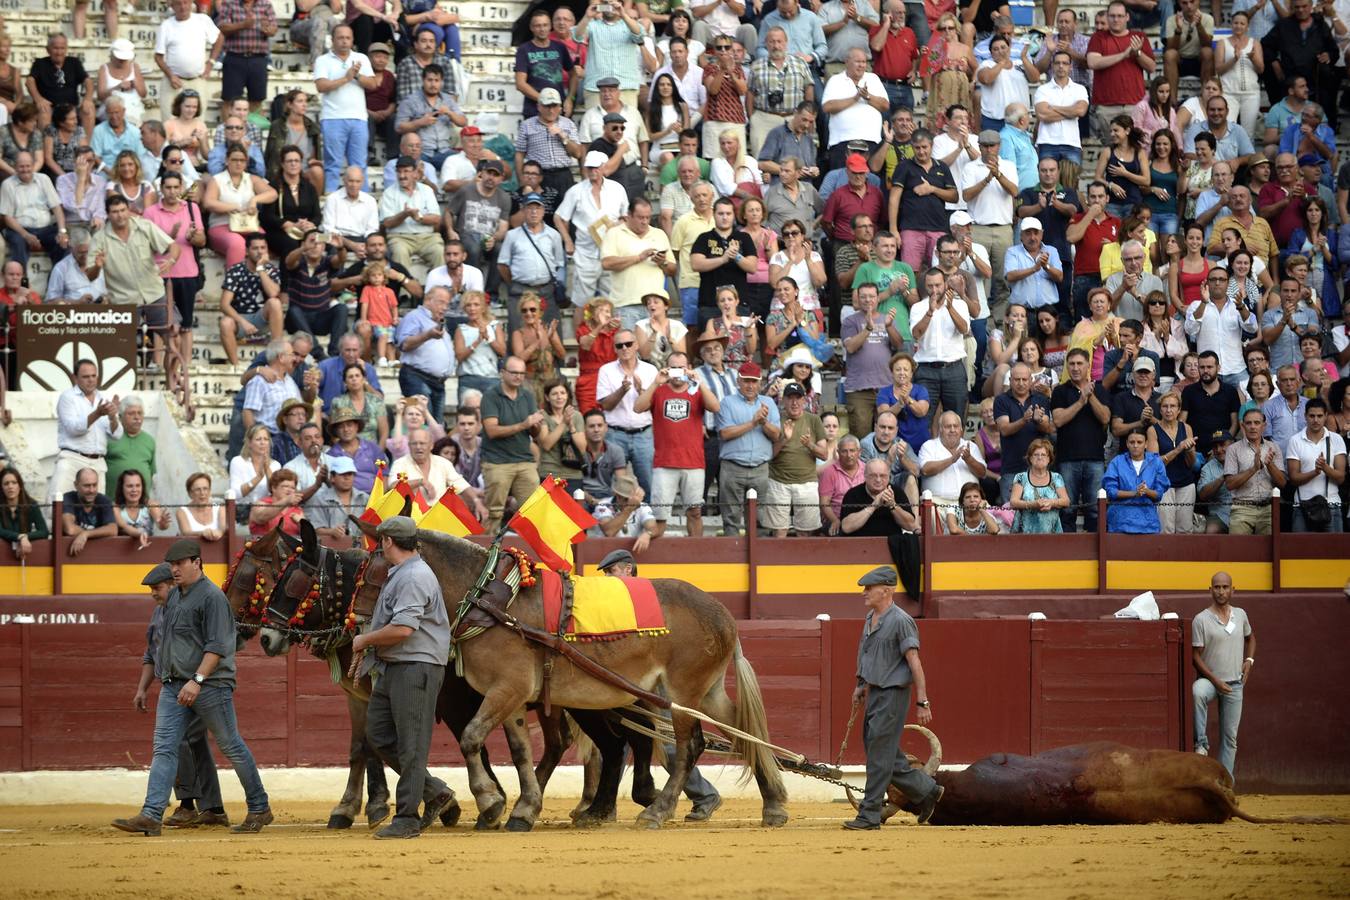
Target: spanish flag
384,505
550,521
450,515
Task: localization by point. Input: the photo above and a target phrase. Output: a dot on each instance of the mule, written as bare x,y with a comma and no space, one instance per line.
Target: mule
690,662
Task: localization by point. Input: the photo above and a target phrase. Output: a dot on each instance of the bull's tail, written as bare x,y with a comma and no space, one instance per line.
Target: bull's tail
752,719
1228,804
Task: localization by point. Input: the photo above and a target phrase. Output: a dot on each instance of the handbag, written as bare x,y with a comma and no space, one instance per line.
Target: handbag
560,298
1317,509
244,222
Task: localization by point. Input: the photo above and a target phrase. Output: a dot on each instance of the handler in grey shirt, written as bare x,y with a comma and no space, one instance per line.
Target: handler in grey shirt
410,634
330,507
888,663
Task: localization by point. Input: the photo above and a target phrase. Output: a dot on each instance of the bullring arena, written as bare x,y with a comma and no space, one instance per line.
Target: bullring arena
1023,654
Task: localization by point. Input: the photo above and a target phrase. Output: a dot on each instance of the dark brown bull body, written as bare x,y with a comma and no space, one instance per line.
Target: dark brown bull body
1088,784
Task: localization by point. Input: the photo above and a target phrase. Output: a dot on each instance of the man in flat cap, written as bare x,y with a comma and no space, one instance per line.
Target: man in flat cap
405,649
619,563
888,663
196,665
197,786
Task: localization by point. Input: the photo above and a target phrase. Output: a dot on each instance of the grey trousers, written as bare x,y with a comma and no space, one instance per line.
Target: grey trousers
197,778
697,788
886,765
732,482
399,724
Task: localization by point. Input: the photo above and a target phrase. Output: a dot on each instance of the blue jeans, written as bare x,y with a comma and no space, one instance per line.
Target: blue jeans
412,383
638,449
917,21
437,159
1230,713
481,383
901,96
1082,480
1119,210
1234,381
345,142
689,306
1164,223
215,707
1061,151
990,124
1336,526
979,329
1081,285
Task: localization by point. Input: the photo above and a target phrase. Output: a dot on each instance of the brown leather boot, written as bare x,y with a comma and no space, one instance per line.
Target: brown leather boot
139,824
253,822
182,817
203,818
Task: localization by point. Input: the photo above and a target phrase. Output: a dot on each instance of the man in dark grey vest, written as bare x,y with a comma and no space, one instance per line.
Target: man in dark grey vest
888,663
410,636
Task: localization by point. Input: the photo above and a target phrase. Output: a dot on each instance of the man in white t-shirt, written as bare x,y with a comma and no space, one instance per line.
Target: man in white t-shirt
948,461
181,53
351,213
1316,463
1060,103
989,187
855,101
956,147
343,76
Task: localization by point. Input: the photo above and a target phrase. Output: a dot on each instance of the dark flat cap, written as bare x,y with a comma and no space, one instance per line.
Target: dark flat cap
614,119
615,557
397,527
607,81
158,575
183,549
880,575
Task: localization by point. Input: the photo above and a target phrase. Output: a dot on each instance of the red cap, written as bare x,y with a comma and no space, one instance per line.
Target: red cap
750,370
856,163
470,130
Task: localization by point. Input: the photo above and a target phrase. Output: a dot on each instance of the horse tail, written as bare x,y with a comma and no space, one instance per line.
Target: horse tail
751,718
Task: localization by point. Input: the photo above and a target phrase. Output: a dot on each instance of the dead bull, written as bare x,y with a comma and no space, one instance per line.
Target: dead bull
1100,783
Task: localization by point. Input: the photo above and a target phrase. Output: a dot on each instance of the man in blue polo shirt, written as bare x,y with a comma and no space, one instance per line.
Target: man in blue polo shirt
1033,269
748,425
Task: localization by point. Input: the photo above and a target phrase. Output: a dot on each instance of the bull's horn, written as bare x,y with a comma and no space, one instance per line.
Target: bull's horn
935,749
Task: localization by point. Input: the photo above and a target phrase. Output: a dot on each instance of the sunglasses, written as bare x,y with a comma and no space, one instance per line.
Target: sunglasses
790,232
722,47
1157,303
623,345
530,309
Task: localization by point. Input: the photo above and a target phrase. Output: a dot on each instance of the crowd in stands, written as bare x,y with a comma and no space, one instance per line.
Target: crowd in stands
706,215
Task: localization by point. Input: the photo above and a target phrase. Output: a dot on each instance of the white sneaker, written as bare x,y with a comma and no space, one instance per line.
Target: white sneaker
1202,751
383,363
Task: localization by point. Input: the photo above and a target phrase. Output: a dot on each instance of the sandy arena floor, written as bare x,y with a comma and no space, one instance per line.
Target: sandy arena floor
69,851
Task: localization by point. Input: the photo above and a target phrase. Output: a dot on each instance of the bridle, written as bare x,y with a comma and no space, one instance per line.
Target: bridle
254,609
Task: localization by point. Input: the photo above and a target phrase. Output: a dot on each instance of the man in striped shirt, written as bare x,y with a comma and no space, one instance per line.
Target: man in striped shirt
312,266
549,140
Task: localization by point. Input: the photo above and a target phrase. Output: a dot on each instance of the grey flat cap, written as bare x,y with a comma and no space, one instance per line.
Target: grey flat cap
880,575
607,81
989,137
615,557
184,548
397,527
158,575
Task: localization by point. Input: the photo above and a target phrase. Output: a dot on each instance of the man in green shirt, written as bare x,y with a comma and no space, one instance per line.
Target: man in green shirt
688,147
793,494
135,449
510,417
894,280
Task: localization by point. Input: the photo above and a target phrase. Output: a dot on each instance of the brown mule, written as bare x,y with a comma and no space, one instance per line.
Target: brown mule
691,663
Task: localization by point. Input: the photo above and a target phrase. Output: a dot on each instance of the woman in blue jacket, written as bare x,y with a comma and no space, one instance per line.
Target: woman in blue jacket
1134,482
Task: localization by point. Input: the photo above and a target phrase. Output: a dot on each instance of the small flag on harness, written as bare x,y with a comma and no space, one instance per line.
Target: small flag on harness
390,504
550,521
450,515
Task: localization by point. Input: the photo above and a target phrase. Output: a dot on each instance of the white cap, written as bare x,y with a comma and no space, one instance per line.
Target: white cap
961,217
123,49
595,159
1032,222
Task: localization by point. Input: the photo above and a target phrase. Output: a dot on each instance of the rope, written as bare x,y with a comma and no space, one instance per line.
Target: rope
843,746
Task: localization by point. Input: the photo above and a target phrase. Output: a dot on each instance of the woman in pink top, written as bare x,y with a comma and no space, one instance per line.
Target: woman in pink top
1156,111
181,220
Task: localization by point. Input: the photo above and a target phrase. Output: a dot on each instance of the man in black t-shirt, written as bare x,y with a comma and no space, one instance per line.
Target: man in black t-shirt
1138,407
60,78
1081,411
1054,205
873,509
1210,405
722,257
921,188
85,513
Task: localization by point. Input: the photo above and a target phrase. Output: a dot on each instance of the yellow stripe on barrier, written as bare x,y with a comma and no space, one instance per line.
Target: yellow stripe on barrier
712,577
1314,573
1016,574
1156,575
118,579
35,582
811,579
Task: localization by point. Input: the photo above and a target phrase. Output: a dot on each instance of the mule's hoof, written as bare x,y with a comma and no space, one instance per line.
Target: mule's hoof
490,818
450,817
514,824
594,819
650,819
376,814
774,819
340,823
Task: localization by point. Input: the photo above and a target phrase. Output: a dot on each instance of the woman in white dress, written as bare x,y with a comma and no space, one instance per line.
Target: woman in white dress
201,518
1239,64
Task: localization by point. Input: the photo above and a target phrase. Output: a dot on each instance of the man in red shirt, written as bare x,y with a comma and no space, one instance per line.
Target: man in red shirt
677,400
1119,59
857,197
1089,232
894,52
725,82
1282,201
